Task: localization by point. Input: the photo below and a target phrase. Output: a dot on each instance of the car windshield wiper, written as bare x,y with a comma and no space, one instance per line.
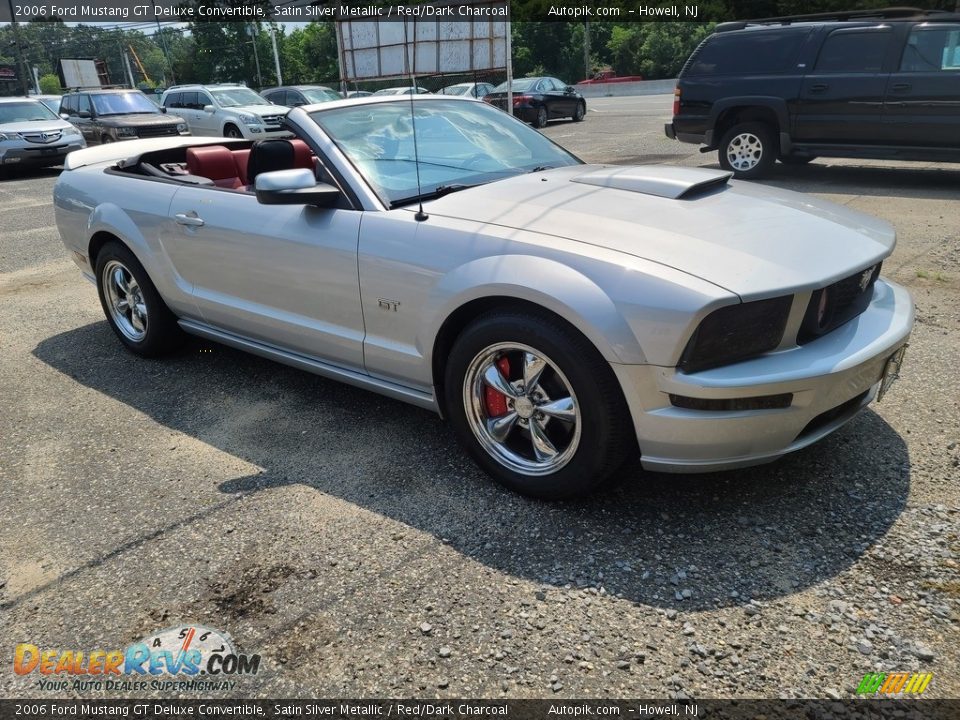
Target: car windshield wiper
438,192
540,168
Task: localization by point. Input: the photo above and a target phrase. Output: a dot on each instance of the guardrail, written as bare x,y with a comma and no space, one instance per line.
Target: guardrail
643,87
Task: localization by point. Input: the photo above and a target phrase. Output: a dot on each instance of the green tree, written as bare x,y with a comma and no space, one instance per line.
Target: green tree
50,84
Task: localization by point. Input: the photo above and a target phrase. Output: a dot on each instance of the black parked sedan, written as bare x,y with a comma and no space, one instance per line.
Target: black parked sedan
297,95
538,99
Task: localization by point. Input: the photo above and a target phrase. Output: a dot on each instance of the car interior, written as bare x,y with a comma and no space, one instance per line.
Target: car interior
230,166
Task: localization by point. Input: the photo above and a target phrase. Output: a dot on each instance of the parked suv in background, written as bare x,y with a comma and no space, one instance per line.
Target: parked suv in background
105,116
873,84
31,134
226,110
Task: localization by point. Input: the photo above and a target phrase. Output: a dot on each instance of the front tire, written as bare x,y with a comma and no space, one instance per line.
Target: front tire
232,131
134,308
541,120
580,112
748,149
536,405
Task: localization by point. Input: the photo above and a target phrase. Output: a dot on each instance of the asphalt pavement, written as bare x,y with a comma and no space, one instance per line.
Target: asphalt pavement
347,539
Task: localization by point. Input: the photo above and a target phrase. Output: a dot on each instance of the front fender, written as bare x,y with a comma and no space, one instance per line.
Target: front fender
544,282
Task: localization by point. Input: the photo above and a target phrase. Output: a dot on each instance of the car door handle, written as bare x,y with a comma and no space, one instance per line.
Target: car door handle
819,87
902,87
189,219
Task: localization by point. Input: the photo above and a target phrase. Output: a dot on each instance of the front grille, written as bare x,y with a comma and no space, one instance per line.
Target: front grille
836,304
152,131
272,121
41,137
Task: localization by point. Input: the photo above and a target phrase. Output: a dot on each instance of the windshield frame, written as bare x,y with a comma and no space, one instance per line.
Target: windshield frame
430,190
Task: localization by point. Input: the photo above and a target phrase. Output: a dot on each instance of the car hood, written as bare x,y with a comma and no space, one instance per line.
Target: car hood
749,239
261,110
38,126
145,120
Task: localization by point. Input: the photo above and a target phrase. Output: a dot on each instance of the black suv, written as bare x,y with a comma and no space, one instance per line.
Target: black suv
875,84
109,115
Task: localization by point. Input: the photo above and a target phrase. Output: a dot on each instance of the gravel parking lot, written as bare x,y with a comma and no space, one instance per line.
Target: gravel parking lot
347,538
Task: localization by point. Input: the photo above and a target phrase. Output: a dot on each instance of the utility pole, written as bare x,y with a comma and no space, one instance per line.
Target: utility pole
276,56
586,49
256,54
163,42
23,69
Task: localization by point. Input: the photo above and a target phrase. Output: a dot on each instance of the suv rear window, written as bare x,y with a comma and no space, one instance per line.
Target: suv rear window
931,49
743,53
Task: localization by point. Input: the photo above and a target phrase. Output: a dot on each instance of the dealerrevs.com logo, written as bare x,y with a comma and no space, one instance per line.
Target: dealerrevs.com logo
894,683
183,652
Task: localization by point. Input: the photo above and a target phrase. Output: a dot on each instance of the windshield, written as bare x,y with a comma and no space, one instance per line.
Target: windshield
122,103
521,85
235,97
53,103
26,111
456,90
319,95
458,143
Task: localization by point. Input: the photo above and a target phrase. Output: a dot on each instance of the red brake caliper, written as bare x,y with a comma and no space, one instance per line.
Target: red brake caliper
495,400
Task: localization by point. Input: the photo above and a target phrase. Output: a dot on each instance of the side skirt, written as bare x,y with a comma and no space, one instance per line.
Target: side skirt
312,365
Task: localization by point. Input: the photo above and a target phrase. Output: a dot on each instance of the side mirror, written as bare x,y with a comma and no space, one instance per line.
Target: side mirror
64,116
569,89
163,109
83,114
294,187
209,109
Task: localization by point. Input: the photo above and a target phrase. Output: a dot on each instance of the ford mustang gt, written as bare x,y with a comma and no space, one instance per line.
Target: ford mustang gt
562,316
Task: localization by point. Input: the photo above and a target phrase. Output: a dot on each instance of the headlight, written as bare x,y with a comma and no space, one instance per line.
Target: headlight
126,132
71,131
249,119
737,332
181,127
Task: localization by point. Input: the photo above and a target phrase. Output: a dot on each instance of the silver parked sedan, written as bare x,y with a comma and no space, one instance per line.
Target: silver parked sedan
562,316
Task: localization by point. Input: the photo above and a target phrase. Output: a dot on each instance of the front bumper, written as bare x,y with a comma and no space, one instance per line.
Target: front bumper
831,379
36,154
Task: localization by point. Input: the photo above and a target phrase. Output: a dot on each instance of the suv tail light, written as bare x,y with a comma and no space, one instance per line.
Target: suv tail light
676,101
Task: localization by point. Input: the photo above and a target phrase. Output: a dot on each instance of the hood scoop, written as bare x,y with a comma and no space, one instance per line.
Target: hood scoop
673,183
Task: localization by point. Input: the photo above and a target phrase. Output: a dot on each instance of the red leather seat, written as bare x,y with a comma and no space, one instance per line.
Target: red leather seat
242,157
216,163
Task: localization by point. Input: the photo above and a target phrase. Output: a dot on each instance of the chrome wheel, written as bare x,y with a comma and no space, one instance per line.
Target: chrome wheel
522,409
125,302
744,151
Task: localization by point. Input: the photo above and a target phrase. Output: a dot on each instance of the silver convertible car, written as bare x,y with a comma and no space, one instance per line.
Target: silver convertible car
563,316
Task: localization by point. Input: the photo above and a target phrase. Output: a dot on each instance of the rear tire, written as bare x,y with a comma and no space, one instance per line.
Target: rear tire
541,120
566,427
132,305
748,149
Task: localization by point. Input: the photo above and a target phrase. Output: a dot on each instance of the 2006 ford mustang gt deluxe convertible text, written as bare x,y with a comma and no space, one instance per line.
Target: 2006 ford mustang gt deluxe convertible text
562,316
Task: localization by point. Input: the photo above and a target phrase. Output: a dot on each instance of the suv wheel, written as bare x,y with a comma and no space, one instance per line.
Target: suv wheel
232,131
748,150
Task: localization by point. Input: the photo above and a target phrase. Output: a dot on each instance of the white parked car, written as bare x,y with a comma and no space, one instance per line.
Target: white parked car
563,316
226,110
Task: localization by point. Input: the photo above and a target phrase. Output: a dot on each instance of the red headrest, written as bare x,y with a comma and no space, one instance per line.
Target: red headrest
216,163
302,154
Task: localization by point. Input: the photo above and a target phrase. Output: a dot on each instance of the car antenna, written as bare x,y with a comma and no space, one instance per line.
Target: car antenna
421,215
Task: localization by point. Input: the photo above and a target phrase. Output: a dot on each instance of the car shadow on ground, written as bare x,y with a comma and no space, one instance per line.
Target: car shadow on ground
11,173
725,538
825,176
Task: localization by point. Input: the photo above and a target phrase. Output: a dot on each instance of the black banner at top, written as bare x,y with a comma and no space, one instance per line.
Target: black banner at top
620,11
